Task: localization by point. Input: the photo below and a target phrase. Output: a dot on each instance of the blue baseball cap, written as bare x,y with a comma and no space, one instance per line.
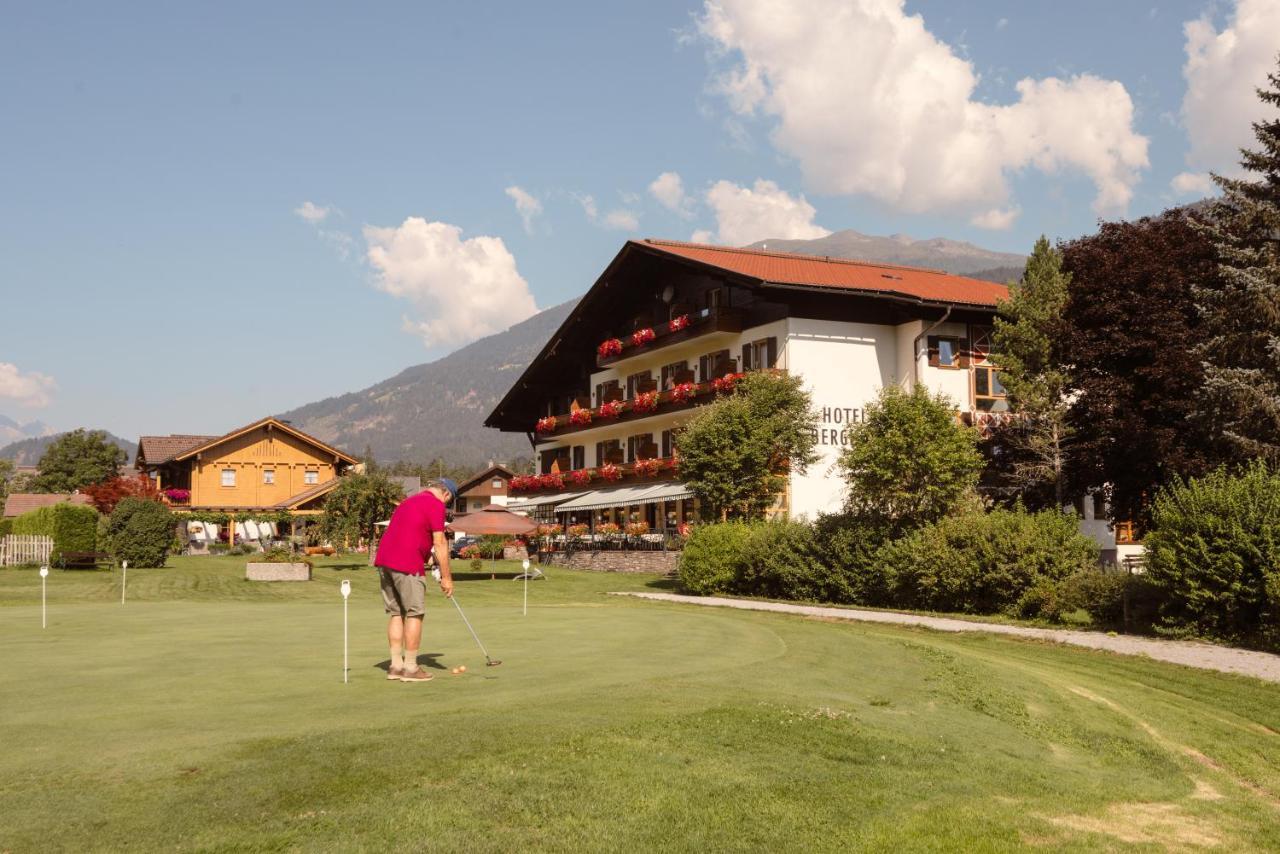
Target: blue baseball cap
448,485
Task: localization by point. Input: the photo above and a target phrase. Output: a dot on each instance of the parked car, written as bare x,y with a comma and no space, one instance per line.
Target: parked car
460,543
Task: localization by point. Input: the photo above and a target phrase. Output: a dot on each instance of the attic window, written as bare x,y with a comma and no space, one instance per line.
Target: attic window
497,483
311,477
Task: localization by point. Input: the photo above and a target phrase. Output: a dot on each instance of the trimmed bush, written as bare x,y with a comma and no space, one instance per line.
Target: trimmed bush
141,532
985,563
713,557
781,561
6,527
849,544
1214,555
73,527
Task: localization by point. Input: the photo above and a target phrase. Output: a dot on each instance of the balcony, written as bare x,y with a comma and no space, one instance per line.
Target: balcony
619,352
652,470
644,405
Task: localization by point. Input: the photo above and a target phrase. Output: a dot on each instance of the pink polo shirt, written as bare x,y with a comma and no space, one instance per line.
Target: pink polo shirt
408,540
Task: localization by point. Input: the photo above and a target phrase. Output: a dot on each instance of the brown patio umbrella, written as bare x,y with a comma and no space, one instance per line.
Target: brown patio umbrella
494,520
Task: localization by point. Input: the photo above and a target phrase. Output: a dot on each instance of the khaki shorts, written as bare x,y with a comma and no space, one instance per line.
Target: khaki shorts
403,595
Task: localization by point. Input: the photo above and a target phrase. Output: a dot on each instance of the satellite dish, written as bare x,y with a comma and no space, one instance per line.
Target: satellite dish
667,293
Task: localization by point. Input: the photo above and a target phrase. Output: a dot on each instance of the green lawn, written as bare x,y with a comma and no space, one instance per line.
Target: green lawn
209,713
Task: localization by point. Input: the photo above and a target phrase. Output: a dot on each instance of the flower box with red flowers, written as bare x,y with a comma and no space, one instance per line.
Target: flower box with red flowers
546,425
678,323
646,468
178,496
645,401
581,477
524,483
612,409
642,336
684,392
609,348
578,530
580,417
549,530
726,383
554,480
610,471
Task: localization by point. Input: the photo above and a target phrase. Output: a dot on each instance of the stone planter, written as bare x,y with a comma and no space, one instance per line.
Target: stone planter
278,572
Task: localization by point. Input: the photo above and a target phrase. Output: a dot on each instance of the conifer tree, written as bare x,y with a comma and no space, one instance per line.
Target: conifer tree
1036,383
1241,350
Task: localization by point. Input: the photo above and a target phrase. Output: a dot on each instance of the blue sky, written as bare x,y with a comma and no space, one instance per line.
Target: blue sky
211,213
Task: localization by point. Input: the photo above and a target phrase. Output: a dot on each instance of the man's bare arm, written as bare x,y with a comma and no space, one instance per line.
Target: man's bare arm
441,546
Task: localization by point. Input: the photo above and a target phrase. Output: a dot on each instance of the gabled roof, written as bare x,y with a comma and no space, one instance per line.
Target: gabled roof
24,502
786,268
479,481
295,501
274,424
154,450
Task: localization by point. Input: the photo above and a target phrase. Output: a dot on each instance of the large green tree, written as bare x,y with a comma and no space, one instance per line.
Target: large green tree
910,462
355,506
735,452
78,459
1241,346
1027,329
1129,338
6,474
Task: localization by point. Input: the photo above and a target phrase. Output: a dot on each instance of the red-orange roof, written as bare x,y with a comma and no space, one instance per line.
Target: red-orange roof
24,502
787,268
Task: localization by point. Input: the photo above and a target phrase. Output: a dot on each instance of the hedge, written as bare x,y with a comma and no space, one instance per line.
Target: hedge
141,532
73,527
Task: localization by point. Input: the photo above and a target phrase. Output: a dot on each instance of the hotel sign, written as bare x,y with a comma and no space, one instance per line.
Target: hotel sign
833,430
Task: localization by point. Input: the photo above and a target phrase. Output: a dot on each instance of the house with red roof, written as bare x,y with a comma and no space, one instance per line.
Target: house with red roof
667,323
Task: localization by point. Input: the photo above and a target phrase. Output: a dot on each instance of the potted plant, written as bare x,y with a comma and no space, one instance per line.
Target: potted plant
278,565
578,531
636,529
678,323
610,471
546,425
645,402
609,348
612,409
684,392
642,336
581,477
580,417
524,483
551,480
609,529
646,467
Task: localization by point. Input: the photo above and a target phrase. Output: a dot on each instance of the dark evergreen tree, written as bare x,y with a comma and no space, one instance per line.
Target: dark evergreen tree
1241,313
1025,343
1129,338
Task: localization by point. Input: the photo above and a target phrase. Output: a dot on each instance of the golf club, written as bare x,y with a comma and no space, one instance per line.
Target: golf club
491,662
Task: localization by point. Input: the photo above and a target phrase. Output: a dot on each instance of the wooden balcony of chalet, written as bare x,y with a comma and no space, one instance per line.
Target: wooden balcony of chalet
694,324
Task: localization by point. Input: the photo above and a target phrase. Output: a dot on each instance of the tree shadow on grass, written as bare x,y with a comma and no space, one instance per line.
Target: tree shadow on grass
425,659
345,567
672,584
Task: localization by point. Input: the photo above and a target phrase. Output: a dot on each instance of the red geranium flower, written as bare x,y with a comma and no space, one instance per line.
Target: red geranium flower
610,471
646,468
580,417
683,392
612,409
678,323
580,477
642,336
609,348
646,401
546,425
554,480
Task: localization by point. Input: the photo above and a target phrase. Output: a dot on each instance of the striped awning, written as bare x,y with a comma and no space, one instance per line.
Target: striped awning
624,496
518,504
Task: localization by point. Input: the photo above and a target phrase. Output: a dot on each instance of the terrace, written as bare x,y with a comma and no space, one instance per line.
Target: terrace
682,328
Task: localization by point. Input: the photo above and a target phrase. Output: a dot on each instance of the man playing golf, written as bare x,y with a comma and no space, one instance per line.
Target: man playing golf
417,528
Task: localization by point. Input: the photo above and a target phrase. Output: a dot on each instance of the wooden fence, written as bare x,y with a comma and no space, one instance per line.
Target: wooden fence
20,549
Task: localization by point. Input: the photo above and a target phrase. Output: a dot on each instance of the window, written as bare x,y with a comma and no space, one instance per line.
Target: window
1126,533
672,373
497,483
228,477
760,354
608,452
946,352
642,381
668,442
714,365
986,383
268,476
311,477
579,456
640,446
1099,506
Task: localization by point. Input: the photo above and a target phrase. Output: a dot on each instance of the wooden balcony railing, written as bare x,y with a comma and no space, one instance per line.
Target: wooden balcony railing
610,474
643,405
686,327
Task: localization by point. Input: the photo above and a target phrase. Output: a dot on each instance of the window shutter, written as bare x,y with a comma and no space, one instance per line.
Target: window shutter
704,368
666,443
599,453
746,357
933,351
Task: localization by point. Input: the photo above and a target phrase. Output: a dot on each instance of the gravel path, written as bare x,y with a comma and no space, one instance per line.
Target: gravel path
1260,665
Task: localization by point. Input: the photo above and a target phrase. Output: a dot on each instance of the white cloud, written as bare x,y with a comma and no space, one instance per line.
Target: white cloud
870,102
526,205
997,219
668,189
621,220
1223,70
1002,23
1192,184
702,235
460,289
618,219
34,390
313,213
745,215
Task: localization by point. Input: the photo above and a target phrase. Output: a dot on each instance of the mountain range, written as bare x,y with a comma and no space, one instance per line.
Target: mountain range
938,253
12,431
436,410
27,452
